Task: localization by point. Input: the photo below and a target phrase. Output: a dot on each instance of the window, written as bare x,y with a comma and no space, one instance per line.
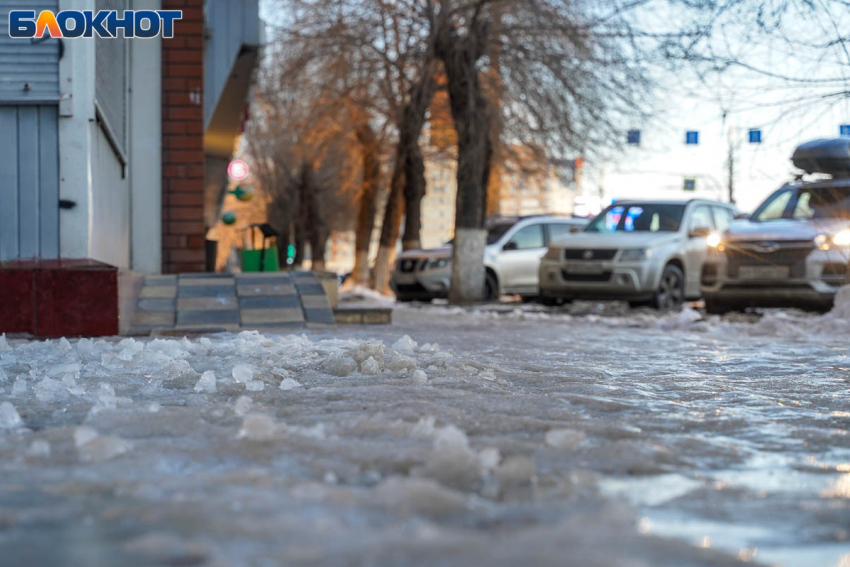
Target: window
774,207
823,203
497,230
644,217
723,218
701,218
529,237
559,231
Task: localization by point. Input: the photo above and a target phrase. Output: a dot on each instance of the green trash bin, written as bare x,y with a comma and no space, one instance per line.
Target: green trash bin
264,259
251,260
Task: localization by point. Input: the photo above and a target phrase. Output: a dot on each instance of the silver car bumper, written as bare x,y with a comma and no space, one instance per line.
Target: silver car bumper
424,284
604,279
825,272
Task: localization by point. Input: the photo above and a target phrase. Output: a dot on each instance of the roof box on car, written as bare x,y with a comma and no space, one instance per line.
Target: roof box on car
830,156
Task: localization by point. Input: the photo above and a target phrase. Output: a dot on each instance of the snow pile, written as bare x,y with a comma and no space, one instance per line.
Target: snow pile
9,416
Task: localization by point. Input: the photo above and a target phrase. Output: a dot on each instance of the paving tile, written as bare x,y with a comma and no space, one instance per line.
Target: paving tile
207,291
161,280
315,302
199,275
325,316
155,304
263,279
208,317
270,328
270,302
271,316
154,318
310,288
200,329
218,303
158,291
264,289
203,282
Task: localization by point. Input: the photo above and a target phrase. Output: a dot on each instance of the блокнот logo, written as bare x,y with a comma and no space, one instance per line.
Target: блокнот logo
86,23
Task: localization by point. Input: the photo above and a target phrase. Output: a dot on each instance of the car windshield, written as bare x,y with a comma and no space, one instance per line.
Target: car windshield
497,230
638,217
805,203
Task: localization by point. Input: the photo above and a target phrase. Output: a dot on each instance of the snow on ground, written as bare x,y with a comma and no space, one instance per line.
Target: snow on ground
449,438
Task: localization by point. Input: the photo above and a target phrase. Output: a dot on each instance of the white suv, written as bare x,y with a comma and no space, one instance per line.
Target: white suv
645,252
511,257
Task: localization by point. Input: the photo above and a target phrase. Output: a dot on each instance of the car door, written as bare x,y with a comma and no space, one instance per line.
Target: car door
699,222
519,259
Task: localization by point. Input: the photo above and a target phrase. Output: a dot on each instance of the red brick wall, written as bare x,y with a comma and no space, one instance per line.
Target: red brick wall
183,228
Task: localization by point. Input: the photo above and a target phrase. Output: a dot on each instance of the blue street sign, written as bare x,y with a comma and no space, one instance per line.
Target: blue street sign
844,129
692,137
690,185
633,137
755,136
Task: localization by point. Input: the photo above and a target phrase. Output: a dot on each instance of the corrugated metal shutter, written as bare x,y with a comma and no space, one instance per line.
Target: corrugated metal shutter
29,72
111,79
29,181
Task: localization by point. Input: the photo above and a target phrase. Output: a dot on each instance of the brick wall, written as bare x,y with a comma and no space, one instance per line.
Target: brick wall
183,228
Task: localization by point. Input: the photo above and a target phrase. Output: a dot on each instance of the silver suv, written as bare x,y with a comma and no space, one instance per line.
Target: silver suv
794,249
644,252
514,248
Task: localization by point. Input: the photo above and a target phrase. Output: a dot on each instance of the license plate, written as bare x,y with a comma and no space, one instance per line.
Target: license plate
585,269
764,272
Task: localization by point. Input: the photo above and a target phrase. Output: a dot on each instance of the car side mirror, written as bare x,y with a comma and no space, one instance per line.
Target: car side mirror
742,216
510,246
699,232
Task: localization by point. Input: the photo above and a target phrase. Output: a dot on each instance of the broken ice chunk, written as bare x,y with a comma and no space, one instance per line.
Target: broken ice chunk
85,346
83,435
369,349
243,405
399,362
564,439
39,449
9,417
429,348
340,366
255,385
289,384
369,367
49,390
243,373
257,427
419,377
97,448
419,495
4,344
206,383
451,461
405,345
517,470
154,407
19,388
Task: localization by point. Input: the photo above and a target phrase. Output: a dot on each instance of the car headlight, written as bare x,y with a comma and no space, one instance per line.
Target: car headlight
713,240
633,254
842,238
438,263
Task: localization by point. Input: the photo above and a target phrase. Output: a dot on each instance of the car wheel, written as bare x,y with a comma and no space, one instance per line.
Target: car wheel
491,288
714,307
670,294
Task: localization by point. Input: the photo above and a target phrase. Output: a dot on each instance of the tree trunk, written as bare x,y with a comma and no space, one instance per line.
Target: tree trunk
470,113
368,205
390,229
414,191
410,128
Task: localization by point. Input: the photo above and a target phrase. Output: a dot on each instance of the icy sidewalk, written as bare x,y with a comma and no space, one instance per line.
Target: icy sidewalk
256,450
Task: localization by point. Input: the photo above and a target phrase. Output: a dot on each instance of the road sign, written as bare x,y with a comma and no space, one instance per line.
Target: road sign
844,129
690,184
755,136
633,137
692,137
237,170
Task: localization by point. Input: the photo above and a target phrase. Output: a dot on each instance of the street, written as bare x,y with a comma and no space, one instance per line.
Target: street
492,435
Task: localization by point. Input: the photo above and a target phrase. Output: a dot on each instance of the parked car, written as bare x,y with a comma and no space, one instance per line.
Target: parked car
644,252
794,249
514,248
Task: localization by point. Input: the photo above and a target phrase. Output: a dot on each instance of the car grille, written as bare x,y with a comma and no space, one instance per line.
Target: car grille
410,265
603,277
590,253
791,253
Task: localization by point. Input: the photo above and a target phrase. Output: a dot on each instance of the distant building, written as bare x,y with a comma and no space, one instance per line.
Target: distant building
550,191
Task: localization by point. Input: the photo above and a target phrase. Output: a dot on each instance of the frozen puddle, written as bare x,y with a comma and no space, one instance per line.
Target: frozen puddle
534,442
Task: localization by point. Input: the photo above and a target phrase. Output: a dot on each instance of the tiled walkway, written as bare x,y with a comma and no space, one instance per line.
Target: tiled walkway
216,302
